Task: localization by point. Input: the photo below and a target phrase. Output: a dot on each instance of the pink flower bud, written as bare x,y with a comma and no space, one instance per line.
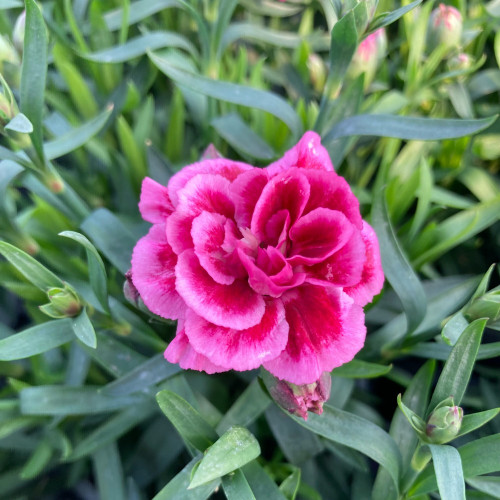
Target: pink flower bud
445,27
444,422
368,55
299,399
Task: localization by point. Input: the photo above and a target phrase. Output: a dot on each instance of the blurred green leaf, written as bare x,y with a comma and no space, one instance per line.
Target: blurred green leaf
37,461
397,269
473,421
21,124
139,46
361,369
387,18
34,72
231,92
241,137
76,137
235,448
35,340
62,400
111,237
108,472
406,127
487,484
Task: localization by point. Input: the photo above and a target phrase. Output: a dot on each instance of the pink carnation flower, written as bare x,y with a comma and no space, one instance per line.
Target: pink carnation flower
259,266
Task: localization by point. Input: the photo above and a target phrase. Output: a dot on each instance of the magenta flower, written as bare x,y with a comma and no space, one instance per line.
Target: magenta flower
263,267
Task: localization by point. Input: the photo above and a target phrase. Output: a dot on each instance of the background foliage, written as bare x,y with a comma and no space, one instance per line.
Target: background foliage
100,94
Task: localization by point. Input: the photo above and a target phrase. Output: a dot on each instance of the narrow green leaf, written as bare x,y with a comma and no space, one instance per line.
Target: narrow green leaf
176,489
108,472
263,487
84,329
35,340
231,92
358,433
473,421
76,137
406,127
138,11
397,269
389,17
449,474
38,460
112,429
486,484
235,448
111,237
139,46
9,170
361,369
236,487
188,422
21,124
145,375
241,137
30,268
290,486
34,72
63,400
97,271
457,370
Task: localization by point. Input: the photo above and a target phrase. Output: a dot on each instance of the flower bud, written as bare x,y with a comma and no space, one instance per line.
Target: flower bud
486,306
444,422
368,56
317,71
460,62
445,27
129,289
63,303
299,399
210,153
18,32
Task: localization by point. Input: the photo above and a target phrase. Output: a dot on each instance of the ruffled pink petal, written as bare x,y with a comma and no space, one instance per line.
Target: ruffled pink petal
372,279
203,193
226,168
153,274
180,351
240,349
269,279
329,190
344,268
286,191
155,205
246,190
233,306
308,153
317,235
277,229
209,232
326,330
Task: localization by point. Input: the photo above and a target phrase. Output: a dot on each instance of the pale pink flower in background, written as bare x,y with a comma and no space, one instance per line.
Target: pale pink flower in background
445,27
261,267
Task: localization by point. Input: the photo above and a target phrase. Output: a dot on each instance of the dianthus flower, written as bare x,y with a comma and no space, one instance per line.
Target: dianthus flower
260,266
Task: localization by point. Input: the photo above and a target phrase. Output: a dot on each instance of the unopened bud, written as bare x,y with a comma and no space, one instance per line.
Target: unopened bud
210,153
445,27
317,71
7,52
299,399
444,422
63,303
18,32
460,62
486,306
368,56
129,290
